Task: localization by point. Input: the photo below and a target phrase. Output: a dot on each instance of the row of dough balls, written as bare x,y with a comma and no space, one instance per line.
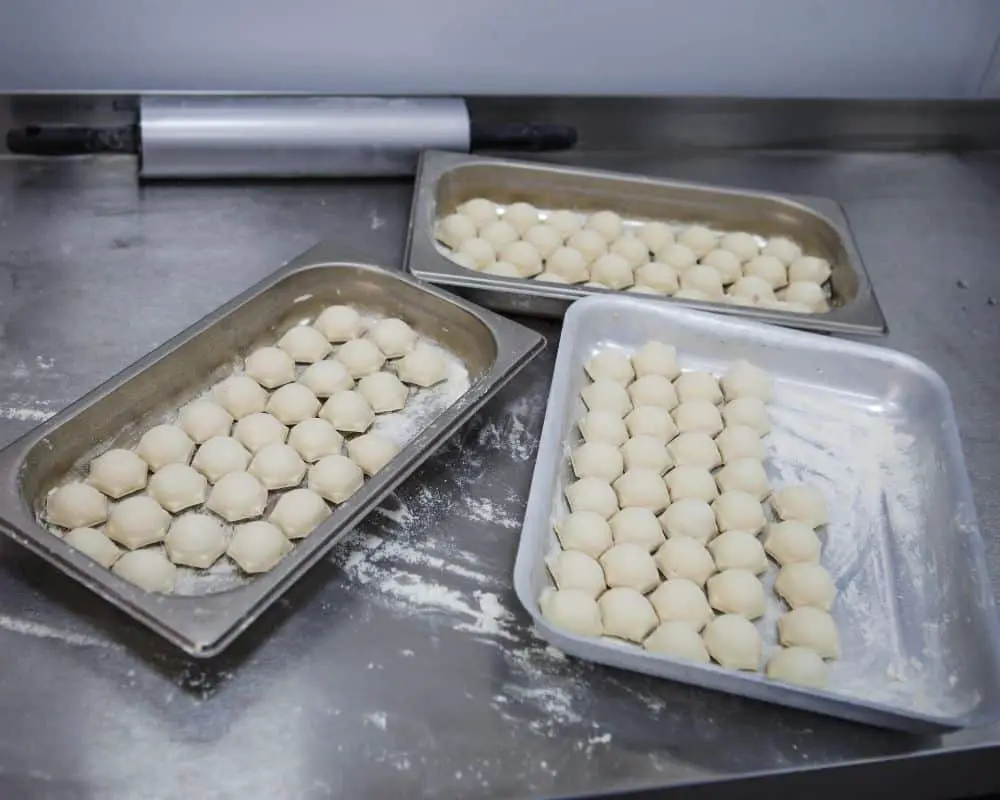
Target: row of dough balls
227,451
615,548
599,251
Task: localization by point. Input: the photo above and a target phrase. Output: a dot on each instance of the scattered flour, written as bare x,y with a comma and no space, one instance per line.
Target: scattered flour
26,414
377,718
40,631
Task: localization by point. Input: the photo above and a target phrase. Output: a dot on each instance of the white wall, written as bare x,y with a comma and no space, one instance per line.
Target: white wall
770,48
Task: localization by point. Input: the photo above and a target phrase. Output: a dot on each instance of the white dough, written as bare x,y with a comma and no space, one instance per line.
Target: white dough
636,289
195,540
270,367
299,512
677,640
340,323
258,546
752,288
118,473
808,294
767,268
257,430
737,591
481,252
734,642
745,475
631,249
572,611
203,419
305,344
393,337
656,358
695,448
642,488
93,544
545,238
292,403
637,526
240,395
585,531
612,272
689,517
698,415
748,411
603,426
147,569
597,460
679,256
738,550
703,278
137,521
572,569
804,584
569,264
178,486
629,565
499,233
656,235
744,379
423,366
736,510
383,391
336,478
651,421
785,250
566,222
626,614
659,276
798,665
236,496
653,390
606,395
646,452
699,238
784,305
348,412
685,557
521,215
689,482
810,627
315,438
371,452
525,258
696,385
610,365
742,245
590,244
278,466
165,444
792,543
592,494
801,504
726,263
326,377
503,269
480,211
809,268
360,357
219,456
454,229
739,441
463,260
694,294
605,223
681,600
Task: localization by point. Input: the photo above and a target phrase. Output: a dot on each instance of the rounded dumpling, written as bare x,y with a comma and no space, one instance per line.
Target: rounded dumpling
195,540
393,337
236,496
744,475
499,233
785,250
348,411
422,366
685,557
480,211
677,640
739,441
808,294
699,238
734,642
798,665
681,600
703,278
792,543
810,627
607,224
656,358
137,521
694,294
340,323
573,611
477,251
299,512
203,419
611,365
590,244
524,257
240,395
642,488
93,544
292,403
809,268
454,229
545,238
178,486
736,510
646,452
632,250
738,550
592,494
695,385
219,456
383,391
371,452
117,473
698,415
270,367
565,222
690,482
805,584
661,277
726,263
695,448
652,421
258,430
737,591
305,344
503,269
689,517
326,377
678,256
742,245
752,288
744,379
258,546
148,569
800,504
360,357
749,411
656,235
278,466
612,271
585,531
165,444
521,216
315,438
569,264
653,390
767,268
637,526
603,426
607,395
335,478
572,569
597,460
626,614
629,565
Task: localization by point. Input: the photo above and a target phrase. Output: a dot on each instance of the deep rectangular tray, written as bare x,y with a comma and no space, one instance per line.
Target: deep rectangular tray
876,432
446,180
491,348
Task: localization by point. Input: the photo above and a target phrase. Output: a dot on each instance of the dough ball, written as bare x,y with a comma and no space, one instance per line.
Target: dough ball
240,395
612,271
326,377
798,665
630,565
360,357
726,264
565,222
503,269
653,390
117,473
767,268
93,544
597,460
340,323
551,277
698,415
137,521
603,426
809,268
393,337
785,250
606,395
305,344
195,540
203,419
743,379
522,216
642,488
348,412
688,482
681,600
685,557
736,510
656,236
810,627
738,550
147,569
677,640
626,614
792,543
258,546
808,294
479,250
742,245
703,278
315,438
739,441
524,256
737,591
610,365
299,512
463,260
585,531
383,391
637,526
257,430
656,358
689,517
694,385
785,306
647,290
695,448
753,289
651,421
545,238
699,239
335,478
499,233
371,452
270,367
592,494
590,244
679,256
423,366
748,411
454,229
806,585
745,475
801,504
236,496
633,250
569,264
480,211
219,456
572,569
734,642
178,486
292,403
659,276
278,466
605,223
572,611
162,445
693,294
646,452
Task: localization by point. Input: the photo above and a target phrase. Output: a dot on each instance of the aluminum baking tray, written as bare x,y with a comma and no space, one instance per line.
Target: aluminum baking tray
446,180
876,431
490,348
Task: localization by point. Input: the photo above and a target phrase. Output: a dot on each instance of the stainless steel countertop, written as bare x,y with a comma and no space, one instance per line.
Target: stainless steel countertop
402,666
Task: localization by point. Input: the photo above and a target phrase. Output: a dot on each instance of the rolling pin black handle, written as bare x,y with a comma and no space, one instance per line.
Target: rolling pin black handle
71,140
527,137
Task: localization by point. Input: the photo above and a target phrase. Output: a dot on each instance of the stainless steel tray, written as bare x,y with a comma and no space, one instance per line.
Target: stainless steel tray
877,432
491,349
445,180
